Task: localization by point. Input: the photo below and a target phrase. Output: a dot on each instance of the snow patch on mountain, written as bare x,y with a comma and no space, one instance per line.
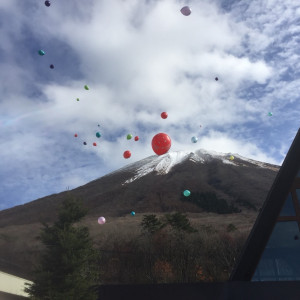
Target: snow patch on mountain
159,164
164,163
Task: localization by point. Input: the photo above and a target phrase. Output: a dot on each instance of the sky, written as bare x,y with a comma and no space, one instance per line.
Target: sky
140,58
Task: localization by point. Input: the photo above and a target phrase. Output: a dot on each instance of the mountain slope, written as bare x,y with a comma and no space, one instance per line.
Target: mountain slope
155,184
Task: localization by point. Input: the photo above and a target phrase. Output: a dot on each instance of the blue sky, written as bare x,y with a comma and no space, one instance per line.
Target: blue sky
140,58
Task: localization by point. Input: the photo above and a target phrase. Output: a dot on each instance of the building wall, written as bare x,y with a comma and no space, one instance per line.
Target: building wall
12,284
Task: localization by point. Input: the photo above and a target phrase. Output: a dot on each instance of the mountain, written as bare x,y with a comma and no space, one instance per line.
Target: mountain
155,184
152,185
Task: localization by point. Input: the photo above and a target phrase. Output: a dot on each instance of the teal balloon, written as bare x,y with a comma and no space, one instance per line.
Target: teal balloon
41,52
129,136
186,193
194,139
98,134
132,213
270,114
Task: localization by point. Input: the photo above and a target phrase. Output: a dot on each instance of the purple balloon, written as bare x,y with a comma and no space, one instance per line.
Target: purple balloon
47,3
101,220
51,66
186,11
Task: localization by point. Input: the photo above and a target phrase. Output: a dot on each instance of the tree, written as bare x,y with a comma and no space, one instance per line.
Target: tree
68,266
179,222
151,224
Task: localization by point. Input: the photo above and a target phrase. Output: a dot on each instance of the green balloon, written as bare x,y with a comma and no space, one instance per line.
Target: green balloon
77,99
129,136
186,193
86,87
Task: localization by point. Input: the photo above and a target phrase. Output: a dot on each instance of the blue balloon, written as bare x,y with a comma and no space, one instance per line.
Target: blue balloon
186,193
194,139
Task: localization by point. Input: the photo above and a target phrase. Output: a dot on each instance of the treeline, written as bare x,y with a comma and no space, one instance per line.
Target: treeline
167,250
211,203
170,250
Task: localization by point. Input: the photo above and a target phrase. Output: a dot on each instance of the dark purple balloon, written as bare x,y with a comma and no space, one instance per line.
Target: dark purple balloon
47,3
51,66
216,79
186,11
84,143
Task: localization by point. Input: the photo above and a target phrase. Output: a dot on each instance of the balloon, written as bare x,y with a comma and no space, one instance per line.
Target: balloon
86,87
77,99
186,11
194,139
136,138
270,114
94,144
186,193
41,52
101,220
127,154
84,143
47,3
98,125
51,66
164,115
75,135
216,79
98,134
161,143
132,213
231,157
129,136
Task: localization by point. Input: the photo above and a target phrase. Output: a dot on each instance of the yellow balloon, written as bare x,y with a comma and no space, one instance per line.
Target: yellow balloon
231,157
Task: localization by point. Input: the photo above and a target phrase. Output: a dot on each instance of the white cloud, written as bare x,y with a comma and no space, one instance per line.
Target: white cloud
141,58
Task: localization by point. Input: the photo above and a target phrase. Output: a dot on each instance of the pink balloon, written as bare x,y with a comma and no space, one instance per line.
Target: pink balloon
101,220
186,11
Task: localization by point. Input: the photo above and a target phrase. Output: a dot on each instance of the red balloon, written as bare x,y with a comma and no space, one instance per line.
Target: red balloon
75,135
127,154
161,143
94,144
164,115
136,138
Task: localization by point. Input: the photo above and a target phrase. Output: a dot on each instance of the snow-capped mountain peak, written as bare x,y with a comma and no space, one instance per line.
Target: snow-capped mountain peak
164,163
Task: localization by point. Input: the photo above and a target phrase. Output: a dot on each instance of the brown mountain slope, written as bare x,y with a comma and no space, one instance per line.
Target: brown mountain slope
110,196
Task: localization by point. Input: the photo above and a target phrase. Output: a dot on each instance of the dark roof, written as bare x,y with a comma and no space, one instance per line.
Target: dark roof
263,227
275,290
